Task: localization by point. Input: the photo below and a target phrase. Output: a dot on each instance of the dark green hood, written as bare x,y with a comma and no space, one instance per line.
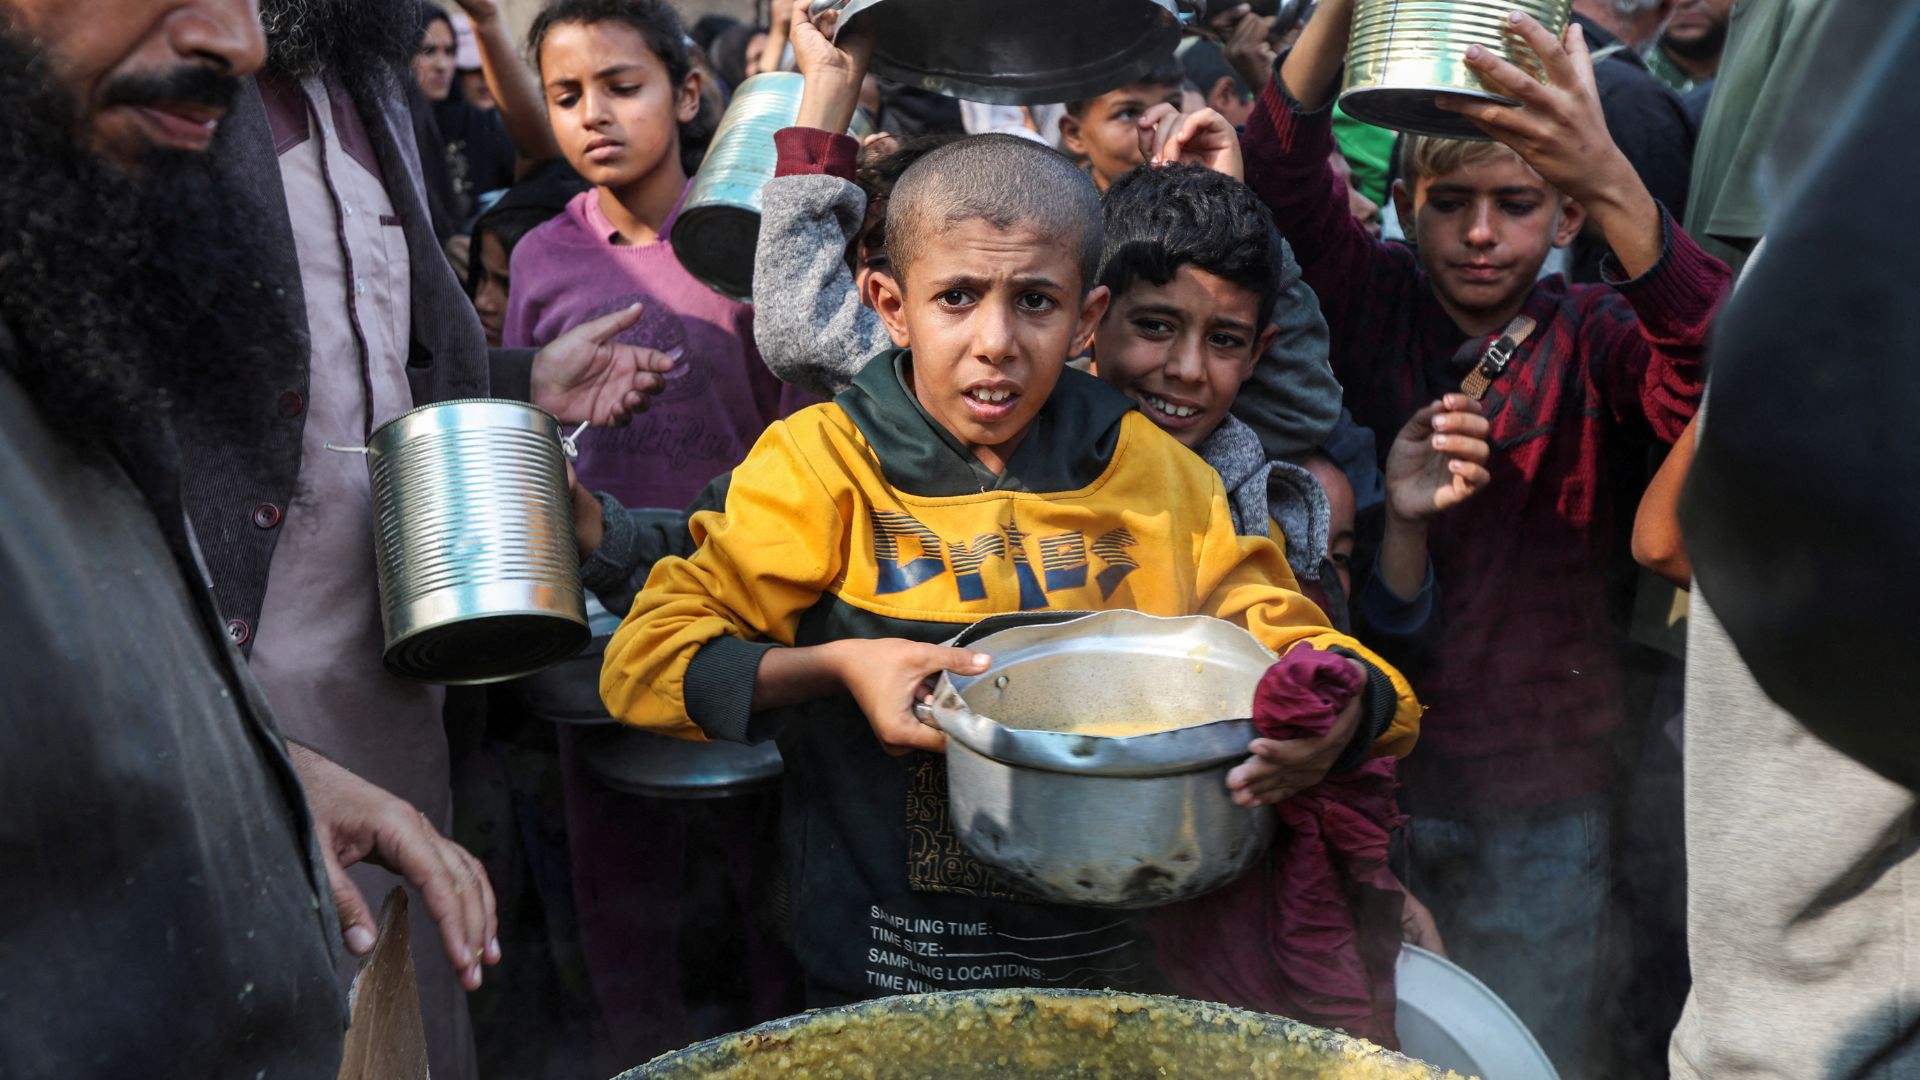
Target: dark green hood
1068,446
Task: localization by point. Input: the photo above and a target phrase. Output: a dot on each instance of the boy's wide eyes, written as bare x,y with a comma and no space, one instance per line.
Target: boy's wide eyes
954,298
1036,302
1153,328
1220,339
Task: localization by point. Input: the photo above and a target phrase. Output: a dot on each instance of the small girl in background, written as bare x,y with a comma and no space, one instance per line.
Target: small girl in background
624,100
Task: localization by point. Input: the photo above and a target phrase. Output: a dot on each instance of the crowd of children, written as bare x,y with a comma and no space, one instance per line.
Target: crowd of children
1172,360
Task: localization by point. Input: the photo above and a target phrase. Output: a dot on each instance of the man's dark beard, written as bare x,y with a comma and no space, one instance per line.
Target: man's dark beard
366,44
125,293
1700,49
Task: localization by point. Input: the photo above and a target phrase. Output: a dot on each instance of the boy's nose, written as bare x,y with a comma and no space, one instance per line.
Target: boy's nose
1480,226
993,337
1184,362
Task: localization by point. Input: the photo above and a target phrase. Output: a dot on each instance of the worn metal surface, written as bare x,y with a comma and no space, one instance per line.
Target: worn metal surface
1017,52
473,536
718,226
662,767
1403,53
1097,820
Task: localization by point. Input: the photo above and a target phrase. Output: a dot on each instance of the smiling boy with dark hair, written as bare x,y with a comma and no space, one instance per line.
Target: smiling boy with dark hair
966,473
1508,839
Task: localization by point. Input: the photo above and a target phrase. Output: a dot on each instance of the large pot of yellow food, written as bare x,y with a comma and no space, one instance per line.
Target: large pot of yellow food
1018,1034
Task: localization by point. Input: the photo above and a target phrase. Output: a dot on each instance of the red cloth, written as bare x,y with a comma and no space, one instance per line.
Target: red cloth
1313,931
812,152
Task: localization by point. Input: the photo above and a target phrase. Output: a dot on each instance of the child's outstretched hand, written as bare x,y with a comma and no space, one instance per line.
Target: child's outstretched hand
1282,768
1438,460
1202,137
888,675
1561,131
832,67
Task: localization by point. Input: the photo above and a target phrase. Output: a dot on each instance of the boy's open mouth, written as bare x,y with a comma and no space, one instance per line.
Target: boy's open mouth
989,401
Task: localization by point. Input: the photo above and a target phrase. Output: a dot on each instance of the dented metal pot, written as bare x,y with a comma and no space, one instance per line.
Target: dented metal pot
1121,821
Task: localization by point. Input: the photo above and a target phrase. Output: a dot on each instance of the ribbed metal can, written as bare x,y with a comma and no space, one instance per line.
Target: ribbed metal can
718,226
1404,52
473,536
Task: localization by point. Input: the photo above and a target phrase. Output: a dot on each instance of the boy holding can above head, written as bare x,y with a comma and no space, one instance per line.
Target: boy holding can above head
1508,842
966,473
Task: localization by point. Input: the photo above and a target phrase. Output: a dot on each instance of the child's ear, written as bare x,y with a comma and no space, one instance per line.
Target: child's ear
1403,207
889,301
1092,310
1567,226
688,105
1070,135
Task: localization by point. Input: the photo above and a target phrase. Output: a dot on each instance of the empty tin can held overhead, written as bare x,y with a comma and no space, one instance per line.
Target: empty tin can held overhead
718,226
473,534
1404,53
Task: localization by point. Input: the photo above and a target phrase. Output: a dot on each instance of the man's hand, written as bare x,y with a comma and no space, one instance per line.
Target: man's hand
831,68
583,375
354,820
1249,51
1280,769
1202,137
888,675
1561,131
1438,460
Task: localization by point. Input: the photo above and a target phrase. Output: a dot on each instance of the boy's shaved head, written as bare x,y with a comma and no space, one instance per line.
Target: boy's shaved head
1004,181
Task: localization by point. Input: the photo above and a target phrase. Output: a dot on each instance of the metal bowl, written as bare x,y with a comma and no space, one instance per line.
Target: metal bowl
1016,52
662,767
1015,1034
1099,820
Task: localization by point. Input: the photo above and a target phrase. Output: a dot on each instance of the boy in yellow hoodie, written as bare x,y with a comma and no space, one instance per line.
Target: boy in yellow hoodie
966,473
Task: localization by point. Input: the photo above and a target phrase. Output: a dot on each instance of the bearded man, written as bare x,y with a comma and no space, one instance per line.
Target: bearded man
163,853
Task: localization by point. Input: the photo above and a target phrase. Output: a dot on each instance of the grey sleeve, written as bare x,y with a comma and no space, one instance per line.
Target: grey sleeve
808,321
636,539
1292,400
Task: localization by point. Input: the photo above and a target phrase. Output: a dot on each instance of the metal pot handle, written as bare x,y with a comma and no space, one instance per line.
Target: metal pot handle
923,712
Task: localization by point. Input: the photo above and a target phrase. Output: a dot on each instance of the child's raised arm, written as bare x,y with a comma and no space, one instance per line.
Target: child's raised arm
1311,71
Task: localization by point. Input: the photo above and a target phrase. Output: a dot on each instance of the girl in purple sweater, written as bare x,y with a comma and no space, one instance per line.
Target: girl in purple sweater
622,96
623,99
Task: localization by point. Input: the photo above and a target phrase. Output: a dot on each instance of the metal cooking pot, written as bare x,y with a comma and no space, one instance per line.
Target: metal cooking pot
718,227
1403,53
1013,1034
473,535
1017,52
1100,820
